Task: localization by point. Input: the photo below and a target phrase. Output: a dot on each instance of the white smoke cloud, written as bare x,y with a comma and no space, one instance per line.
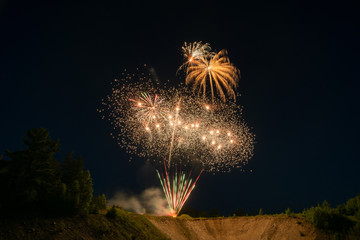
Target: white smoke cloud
150,201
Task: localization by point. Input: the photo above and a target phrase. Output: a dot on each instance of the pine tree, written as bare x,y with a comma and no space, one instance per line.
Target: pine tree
78,187
33,179
86,193
98,203
34,174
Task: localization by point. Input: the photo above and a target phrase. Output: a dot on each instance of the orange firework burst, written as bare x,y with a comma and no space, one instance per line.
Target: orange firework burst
216,70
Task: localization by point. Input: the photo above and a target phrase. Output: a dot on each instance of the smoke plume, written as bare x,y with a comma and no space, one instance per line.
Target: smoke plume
150,201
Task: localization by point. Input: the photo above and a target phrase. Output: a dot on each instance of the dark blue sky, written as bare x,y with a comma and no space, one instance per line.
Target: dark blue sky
300,90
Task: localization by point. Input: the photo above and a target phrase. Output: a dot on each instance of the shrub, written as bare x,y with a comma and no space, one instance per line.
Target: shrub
289,212
112,213
261,212
239,212
185,216
352,205
327,219
357,214
341,209
61,225
355,230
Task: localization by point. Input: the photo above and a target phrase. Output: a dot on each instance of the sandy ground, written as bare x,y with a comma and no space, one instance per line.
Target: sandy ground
247,228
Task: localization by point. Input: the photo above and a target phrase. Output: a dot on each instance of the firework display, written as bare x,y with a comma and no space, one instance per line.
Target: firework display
177,126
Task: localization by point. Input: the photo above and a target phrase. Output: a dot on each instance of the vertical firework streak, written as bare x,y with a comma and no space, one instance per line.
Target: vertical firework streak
179,191
176,189
173,133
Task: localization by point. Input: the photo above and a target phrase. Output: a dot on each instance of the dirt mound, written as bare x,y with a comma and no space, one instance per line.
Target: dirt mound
247,228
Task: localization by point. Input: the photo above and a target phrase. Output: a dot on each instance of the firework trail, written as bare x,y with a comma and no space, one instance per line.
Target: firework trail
177,188
173,133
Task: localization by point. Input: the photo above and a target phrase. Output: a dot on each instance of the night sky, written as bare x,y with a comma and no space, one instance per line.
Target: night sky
300,90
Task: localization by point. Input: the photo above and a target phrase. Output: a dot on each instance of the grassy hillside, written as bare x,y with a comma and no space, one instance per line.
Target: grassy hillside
123,225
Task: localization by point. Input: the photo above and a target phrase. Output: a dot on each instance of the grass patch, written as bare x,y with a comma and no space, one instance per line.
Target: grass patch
186,216
133,226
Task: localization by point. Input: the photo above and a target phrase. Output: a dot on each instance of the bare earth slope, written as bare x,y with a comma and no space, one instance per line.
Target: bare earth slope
247,228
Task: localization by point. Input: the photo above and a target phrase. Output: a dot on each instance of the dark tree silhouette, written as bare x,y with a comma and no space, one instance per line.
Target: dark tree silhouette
33,175
77,185
98,203
33,180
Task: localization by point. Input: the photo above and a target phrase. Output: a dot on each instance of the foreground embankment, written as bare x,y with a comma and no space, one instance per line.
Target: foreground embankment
237,228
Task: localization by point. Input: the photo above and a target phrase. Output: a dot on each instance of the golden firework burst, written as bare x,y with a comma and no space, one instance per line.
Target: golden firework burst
218,71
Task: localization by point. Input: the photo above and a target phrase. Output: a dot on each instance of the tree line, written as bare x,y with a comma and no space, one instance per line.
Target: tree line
34,181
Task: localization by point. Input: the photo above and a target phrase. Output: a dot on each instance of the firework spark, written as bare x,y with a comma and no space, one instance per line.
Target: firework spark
218,71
